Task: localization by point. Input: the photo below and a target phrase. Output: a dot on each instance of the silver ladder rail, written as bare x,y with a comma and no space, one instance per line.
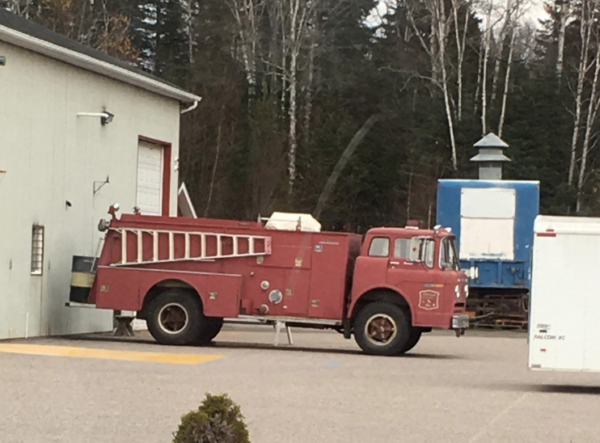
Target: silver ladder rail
187,238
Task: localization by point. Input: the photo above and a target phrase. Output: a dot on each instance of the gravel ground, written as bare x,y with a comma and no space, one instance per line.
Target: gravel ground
473,389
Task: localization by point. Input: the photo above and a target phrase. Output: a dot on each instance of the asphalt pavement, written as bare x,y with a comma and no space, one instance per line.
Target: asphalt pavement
476,388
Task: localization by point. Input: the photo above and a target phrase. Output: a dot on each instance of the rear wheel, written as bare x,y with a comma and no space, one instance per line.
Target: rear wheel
175,317
211,329
382,328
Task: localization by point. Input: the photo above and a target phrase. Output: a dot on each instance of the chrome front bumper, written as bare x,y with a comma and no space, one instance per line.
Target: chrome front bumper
460,321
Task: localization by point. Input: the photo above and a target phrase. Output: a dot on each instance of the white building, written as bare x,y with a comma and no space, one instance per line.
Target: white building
78,131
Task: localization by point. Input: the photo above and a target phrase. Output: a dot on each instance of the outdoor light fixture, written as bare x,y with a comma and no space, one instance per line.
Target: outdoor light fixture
105,116
2,60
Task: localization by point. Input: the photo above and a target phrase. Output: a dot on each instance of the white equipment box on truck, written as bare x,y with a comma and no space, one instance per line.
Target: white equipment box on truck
564,312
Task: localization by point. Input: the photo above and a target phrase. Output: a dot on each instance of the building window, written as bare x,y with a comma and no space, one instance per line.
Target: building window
37,250
380,247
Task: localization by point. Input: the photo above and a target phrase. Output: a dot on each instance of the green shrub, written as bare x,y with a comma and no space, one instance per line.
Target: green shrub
217,420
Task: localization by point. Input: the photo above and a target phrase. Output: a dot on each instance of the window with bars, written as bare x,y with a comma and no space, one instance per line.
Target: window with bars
37,250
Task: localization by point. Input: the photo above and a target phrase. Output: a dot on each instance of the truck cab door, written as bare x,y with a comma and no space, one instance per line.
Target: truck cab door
411,269
376,263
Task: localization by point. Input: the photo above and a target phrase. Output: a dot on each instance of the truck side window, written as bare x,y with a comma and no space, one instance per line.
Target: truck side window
402,248
380,247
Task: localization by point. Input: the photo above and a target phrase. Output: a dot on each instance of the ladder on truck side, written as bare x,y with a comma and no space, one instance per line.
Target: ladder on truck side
186,238
125,319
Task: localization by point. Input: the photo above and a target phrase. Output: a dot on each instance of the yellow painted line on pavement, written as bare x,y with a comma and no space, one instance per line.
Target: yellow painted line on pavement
108,354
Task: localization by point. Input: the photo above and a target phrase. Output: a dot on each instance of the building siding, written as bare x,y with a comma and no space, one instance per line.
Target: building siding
52,156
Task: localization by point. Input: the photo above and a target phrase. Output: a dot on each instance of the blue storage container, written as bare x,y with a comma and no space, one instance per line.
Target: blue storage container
493,223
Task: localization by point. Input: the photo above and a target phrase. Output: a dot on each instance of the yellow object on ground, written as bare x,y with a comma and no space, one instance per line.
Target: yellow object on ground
108,354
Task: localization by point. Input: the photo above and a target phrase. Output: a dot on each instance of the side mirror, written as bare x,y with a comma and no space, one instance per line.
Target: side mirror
103,225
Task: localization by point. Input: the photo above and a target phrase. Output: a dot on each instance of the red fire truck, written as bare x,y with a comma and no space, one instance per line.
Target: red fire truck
185,276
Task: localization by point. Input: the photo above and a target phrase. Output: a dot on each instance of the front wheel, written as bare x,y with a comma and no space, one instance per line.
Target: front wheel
382,328
175,317
415,336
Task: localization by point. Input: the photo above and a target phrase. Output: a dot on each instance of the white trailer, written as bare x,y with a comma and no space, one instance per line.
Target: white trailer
564,313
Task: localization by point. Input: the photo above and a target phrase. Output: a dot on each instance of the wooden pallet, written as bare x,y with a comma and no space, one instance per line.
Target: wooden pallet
502,324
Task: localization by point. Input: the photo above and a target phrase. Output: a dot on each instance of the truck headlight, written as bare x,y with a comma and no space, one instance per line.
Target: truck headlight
467,291
457,291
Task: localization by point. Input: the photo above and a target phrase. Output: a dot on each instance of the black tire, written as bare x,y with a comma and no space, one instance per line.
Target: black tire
211,329
415,336
392,319
175,317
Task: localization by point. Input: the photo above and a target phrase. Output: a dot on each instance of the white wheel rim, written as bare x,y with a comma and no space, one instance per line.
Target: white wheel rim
381,329
173,318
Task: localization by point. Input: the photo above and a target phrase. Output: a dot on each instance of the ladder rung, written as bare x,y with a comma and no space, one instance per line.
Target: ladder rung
171,246
155,246
124,247
139,247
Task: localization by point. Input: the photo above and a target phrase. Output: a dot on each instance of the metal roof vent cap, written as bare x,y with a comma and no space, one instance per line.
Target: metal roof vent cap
491,156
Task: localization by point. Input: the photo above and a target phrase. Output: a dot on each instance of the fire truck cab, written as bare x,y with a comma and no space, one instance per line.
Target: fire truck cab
185,277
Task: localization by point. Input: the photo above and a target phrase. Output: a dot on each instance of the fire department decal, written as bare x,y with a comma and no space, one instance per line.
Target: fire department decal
429,300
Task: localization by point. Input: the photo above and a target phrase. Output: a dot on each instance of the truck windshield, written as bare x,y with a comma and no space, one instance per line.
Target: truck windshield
449,254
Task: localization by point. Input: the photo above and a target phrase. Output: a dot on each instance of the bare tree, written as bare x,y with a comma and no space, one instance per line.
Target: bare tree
486,54
299,13
561,36
247,14
504,32
437,51
512,29
429,48
112,35
592,112
308,100
19,7
441,33
189,6
506,82
460,46
479,76
588,12
211,186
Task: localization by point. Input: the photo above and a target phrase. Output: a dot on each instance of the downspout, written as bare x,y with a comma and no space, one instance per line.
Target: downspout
191,108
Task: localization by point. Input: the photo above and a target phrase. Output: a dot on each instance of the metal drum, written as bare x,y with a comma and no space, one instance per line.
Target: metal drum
83,272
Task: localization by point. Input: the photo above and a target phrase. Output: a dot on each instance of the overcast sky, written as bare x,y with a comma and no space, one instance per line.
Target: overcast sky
535,11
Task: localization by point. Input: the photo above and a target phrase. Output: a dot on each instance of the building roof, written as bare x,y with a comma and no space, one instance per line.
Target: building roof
491,141
490,157
26,34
